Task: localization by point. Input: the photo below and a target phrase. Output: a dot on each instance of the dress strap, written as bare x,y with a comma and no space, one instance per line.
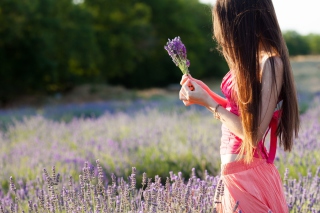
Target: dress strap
273,136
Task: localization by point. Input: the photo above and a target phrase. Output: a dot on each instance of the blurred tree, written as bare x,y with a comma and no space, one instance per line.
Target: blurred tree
124,34
313,41
296,44
132,35
46,46
192,22
49,46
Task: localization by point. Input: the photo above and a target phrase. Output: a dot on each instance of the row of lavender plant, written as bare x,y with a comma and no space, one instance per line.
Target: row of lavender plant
305,152
93,193
152,141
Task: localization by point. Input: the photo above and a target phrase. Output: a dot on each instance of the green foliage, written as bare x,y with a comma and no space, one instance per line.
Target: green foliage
46,46
50,46
296,44
313,41
302,44
137,32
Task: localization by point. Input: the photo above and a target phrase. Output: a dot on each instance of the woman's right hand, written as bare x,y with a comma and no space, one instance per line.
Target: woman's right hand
193,93
213,95
186,77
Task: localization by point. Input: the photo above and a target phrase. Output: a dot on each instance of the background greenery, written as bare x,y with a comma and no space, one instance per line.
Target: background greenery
49,46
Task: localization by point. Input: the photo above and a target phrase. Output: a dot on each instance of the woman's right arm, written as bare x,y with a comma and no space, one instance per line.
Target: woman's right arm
220,100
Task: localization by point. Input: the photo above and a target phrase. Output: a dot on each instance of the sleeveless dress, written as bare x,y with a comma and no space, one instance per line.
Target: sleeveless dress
256,186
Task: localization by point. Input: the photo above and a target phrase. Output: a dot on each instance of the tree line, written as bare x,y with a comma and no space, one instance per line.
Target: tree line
302,44
50,46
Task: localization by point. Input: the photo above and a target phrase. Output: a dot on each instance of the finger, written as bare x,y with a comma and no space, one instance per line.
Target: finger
184,79
182,96
186,89
195,85
190,77
197,81
187,103
184,100
190,83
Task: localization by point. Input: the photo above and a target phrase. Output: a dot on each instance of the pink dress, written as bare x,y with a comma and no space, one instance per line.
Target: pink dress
256,186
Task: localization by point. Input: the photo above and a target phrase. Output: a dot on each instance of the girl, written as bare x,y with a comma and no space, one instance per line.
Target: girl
260,96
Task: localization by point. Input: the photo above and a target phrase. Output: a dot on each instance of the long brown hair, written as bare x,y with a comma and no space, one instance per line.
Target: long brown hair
242,28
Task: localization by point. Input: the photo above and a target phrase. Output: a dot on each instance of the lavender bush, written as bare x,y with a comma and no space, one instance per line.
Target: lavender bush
154,141
93,193
305,153
120,139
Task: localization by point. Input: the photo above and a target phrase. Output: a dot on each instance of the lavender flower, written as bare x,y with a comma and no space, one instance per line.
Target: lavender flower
190,196
178,53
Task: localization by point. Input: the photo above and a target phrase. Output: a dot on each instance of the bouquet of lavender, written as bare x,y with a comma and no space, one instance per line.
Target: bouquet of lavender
178,53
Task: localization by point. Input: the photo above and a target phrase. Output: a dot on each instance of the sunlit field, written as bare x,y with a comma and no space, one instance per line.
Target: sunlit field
177,148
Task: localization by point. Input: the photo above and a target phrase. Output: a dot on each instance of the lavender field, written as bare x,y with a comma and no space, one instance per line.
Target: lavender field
157,138
155,155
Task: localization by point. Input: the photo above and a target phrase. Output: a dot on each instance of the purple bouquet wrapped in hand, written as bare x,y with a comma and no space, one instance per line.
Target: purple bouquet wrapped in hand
178,53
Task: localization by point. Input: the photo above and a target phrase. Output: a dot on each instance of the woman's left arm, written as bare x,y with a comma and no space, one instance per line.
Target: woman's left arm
269,98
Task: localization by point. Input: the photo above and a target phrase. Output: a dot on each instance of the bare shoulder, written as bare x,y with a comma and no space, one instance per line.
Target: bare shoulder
271,82
266,67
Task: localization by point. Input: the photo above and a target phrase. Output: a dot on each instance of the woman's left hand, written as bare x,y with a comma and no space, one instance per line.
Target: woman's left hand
193,93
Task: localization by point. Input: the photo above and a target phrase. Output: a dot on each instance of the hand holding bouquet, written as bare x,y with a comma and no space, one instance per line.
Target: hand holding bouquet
178,52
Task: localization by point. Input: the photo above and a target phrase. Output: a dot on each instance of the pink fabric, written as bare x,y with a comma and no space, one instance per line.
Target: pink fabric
227,85
273,137
256,186
230,143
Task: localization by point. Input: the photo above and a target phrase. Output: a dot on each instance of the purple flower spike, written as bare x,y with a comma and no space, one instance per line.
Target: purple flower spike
178,52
